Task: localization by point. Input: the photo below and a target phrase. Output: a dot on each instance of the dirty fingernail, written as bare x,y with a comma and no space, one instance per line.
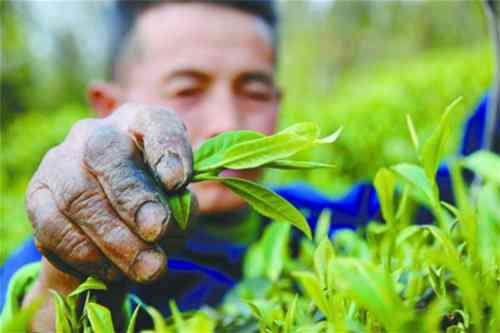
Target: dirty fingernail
148,266
171,171
151,219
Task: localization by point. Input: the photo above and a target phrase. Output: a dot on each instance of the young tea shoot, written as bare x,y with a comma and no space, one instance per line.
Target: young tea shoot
245,150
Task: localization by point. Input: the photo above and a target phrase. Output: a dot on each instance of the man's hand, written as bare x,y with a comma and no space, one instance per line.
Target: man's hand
97,200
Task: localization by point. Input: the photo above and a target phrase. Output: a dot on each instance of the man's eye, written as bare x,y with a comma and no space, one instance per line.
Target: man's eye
187,92
258,91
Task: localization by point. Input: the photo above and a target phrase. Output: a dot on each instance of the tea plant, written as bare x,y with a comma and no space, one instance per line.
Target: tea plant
386,277
241,150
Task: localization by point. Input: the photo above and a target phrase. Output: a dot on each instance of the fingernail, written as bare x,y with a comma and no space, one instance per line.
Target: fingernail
151,219
148,266
171,171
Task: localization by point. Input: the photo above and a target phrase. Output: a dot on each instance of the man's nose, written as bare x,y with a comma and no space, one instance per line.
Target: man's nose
222,113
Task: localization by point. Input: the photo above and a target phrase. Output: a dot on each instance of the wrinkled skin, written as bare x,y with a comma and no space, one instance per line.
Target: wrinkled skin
96,200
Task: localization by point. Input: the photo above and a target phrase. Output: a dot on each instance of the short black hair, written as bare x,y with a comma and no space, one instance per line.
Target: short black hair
125,13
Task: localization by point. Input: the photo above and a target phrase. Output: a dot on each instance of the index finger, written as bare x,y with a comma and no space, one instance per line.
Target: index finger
165,143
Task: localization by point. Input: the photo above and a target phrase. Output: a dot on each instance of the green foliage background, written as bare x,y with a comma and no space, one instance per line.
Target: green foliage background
361,65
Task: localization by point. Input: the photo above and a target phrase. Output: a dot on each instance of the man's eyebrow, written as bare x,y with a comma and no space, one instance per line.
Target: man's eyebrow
261,76
189,73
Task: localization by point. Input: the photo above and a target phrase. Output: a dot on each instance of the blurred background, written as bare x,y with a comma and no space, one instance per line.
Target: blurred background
361,65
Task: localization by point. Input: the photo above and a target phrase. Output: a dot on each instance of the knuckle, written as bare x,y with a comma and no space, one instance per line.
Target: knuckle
79,131
82,202
105,147
83,252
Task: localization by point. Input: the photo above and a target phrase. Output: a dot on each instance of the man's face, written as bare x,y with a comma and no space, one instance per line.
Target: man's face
214,66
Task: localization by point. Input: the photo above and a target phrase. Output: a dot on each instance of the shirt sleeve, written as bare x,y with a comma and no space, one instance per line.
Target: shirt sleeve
20,283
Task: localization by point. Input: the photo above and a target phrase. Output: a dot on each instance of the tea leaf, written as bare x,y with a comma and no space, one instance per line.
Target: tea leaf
484,163
296,165
62,321
212,149
371,289
200,322
180,205
290,315
21,321
254,264
89,284
489,228
275,241
131,323
322,256
255,310
257,152
322,226
100,318
434,315
407,233
331,138
449,256
416,177
433,149
179,323
413,133
313,289
266,202
385,184
435,280
158,321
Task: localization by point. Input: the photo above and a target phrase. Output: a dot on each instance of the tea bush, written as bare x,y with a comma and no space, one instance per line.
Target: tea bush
387,277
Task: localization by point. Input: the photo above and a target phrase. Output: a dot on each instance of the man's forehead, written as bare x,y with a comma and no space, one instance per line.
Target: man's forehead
195,28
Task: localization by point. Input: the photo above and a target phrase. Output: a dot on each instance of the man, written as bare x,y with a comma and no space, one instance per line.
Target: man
94,201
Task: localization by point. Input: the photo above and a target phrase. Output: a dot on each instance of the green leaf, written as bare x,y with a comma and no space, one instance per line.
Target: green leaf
290,315
200,322
434,315
322,256
266,202
275,240
179,323
180,205
62,311
407,233
90,283
255,310
413,133
100,318
484,163
449,256
158,320
372,289
254,264
433,149
257,152
489,228
331,138
313,289
131,323
416,177
21,321
213,149
385,184
296,165
434,276
323,226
